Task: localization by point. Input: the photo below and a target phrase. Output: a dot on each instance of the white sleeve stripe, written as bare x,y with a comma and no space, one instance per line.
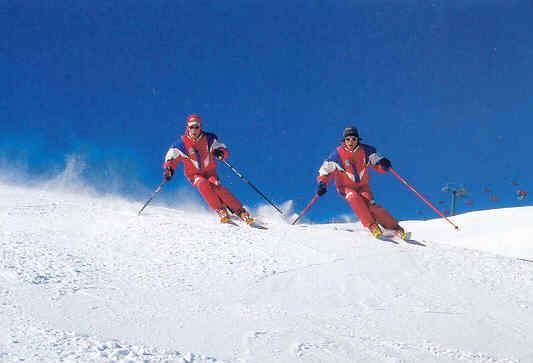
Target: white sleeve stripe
174,153
374,158
328,167
217,145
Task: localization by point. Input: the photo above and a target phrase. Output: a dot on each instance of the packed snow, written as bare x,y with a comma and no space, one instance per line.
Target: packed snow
84,278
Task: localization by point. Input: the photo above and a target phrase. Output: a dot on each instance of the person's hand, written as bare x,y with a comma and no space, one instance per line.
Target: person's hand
385,164
322,189
219,154
167,174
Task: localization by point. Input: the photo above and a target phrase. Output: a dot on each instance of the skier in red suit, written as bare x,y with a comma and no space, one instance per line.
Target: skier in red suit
198,150
348,165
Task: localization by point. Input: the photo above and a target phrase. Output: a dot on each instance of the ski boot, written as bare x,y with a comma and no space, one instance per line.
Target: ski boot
245,216
400,232
223,215
375,230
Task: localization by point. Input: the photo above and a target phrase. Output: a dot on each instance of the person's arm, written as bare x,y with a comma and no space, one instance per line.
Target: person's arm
219,149
328,168
378,162
173,156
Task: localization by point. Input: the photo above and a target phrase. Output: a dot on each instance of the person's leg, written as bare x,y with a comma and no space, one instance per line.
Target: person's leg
234,205
360,206
206,190
380,214
383,217
223,193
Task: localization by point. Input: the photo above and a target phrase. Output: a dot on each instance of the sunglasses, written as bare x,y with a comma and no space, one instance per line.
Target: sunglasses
350,138
194,127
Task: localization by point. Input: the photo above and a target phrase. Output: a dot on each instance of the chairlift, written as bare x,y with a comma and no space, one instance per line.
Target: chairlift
521,194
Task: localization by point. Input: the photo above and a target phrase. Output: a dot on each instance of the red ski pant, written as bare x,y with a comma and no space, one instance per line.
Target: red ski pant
369,212
215,195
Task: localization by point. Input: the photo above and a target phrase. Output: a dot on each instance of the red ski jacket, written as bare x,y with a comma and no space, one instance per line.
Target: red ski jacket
350,168
197,155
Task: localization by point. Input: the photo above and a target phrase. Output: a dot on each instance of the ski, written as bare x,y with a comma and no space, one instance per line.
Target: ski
231,223
235,220
237,223
257,225
387,237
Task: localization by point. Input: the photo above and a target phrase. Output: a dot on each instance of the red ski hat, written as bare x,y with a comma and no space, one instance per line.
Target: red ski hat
194,119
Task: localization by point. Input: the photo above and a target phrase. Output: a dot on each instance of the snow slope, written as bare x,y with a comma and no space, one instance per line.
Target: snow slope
83,278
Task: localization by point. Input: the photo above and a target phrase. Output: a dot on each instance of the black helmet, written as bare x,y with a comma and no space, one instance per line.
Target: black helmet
350,131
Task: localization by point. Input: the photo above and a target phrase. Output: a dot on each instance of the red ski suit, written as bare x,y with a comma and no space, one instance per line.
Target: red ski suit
199,168
350,172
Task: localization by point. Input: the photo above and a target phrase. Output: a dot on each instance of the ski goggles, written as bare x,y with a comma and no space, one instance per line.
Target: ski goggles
193,121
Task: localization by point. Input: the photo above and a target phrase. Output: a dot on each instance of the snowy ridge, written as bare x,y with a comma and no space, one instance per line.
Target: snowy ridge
83,278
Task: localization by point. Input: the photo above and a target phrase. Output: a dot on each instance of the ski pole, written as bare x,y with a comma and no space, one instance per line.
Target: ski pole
315,197
421,197
157,190
253,186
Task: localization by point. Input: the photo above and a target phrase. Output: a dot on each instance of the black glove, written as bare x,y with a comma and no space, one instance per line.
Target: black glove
385,164
322,189
219,154
168,173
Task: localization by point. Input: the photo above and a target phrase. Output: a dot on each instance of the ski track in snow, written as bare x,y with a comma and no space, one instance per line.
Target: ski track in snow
84,279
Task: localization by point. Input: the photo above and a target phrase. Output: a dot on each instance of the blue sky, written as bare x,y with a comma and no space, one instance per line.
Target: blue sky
442,88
